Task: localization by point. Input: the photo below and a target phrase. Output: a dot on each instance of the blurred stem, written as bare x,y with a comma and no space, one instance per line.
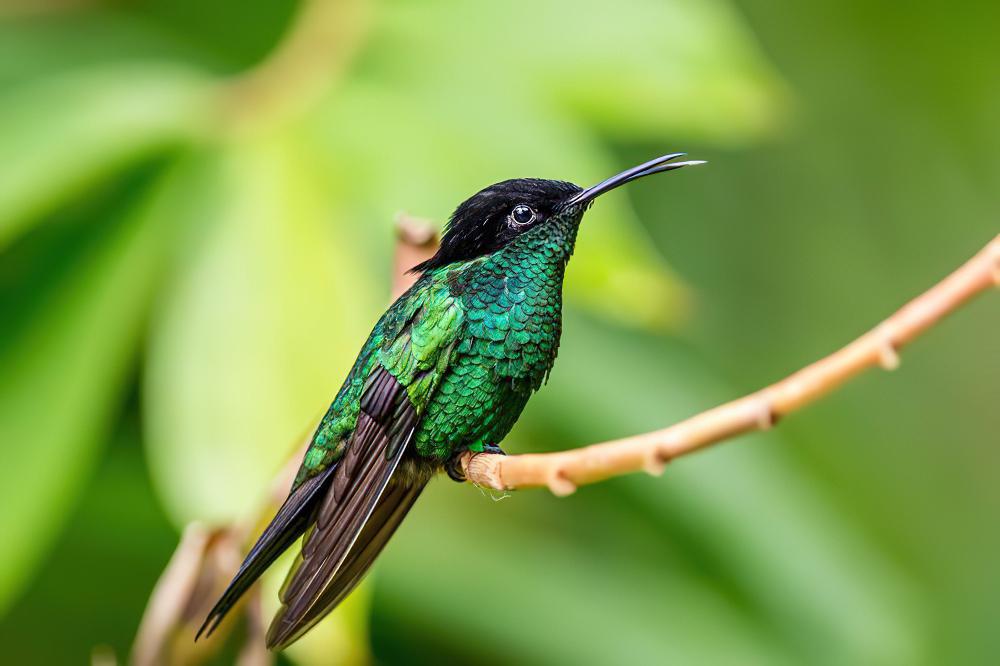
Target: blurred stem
204,561
308,62
416,241
563,471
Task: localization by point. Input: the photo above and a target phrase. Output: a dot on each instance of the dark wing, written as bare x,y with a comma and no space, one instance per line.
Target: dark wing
348,531
337,504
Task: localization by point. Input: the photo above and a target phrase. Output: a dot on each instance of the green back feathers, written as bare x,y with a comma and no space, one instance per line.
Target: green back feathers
470,341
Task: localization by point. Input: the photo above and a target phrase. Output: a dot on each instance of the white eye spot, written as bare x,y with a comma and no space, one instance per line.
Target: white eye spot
522,215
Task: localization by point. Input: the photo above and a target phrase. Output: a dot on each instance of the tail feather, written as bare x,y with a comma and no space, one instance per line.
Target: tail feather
347,513
288,524
392,507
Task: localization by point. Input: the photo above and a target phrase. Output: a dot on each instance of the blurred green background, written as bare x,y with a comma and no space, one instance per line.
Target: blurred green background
196,206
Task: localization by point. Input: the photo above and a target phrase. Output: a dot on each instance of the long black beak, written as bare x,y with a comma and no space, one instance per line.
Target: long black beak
659,165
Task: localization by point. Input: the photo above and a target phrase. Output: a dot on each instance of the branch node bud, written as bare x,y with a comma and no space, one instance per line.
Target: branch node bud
559,485
888,358
766,417
656,462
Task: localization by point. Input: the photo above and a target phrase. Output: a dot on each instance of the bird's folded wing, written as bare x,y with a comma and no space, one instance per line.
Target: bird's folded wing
339,543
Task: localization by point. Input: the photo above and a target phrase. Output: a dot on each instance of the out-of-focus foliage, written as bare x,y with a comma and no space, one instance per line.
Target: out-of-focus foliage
196,202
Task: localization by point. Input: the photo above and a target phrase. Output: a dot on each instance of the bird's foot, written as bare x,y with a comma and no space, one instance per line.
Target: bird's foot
494,449
454,465
454,468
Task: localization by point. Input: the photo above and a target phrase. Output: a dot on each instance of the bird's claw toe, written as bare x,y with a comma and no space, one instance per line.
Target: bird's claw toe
454,468
454,465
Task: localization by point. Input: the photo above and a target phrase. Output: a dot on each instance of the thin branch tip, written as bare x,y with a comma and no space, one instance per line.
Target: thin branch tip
888,356
563,472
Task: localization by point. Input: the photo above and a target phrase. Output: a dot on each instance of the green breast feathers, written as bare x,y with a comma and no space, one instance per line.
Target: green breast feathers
470,343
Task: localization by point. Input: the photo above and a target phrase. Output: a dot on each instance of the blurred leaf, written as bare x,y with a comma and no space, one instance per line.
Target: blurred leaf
63,135
615,271
397,134
769,528
648,68
116,532
818,578
63,377
510,581
58,43
263,319
59,39
210,26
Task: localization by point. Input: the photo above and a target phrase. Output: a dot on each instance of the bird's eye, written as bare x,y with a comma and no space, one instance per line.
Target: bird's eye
522,215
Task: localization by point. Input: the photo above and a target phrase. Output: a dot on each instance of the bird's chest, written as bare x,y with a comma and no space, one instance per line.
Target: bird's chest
513,317
508,346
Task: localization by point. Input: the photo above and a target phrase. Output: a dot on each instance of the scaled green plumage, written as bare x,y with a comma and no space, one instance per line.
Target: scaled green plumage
447,369
470,342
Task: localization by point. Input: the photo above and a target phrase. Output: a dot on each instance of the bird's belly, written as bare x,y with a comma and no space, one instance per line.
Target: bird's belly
473,407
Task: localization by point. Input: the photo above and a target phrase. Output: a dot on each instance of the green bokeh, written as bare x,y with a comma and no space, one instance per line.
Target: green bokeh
192,250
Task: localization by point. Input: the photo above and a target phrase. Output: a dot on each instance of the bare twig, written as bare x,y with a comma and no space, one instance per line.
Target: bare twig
562,472
203,563
170,596
195,576
254,649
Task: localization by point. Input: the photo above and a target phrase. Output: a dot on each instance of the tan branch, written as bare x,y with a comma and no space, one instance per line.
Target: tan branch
201,566
562,472
416,241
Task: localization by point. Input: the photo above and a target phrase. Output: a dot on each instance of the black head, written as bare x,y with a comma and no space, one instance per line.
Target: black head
495,216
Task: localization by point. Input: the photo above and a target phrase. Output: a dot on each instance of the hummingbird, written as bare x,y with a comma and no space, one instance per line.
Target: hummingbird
447,369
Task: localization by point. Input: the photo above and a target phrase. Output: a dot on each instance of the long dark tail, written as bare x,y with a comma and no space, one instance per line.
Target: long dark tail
347,512
302,609
291,522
